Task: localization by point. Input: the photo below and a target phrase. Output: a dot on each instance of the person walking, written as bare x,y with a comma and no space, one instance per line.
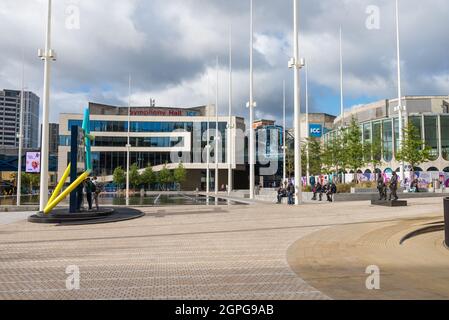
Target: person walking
394,187
89,186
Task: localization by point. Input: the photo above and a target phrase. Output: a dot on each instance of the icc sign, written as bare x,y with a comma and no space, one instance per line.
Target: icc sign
316,130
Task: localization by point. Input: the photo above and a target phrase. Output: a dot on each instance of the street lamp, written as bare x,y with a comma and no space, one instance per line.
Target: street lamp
296,63
47,55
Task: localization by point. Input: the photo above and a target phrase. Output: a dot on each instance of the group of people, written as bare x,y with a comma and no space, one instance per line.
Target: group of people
393,186
329,189
92,189
286,191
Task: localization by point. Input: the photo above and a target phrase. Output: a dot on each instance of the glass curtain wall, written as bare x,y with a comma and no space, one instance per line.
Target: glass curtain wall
445,137
431,135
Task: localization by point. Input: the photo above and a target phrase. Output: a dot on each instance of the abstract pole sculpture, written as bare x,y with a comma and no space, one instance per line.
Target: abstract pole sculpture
81,139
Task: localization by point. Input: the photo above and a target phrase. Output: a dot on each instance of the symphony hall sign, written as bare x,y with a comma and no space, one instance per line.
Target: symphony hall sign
162,112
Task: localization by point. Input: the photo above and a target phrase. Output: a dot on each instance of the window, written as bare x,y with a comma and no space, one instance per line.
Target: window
387,140
431,135
445,137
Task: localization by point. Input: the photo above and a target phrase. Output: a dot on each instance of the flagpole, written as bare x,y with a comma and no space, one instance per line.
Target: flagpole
399,108
297,109
217,133
284,177
251,112
48,56
230,125
19,162
128,145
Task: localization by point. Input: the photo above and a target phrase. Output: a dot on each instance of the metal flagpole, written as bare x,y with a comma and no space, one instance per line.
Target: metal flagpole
399,108
208,138
342,108
251,112
217,132
307,124
284,134
230,125
48,56
128,145
297,112
19,164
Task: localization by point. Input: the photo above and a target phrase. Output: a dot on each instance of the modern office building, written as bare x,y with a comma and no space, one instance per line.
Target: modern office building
158,136
430,114
10,119
53,138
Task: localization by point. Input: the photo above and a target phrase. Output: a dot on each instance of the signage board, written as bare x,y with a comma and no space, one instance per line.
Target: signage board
33,162
316,130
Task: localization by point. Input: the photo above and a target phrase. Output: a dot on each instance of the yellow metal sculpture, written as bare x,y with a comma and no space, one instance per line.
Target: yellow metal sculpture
57,196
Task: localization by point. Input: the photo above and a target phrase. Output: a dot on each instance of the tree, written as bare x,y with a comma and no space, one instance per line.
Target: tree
134,176
333,153
353,147
119,177
180,174
289,163
373,152
164,177
148,177
413,149
315,161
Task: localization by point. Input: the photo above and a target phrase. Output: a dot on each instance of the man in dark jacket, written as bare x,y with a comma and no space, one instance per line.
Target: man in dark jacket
291,193
90,188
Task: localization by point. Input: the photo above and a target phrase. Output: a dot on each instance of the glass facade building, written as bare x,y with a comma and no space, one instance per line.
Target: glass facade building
425,113
157,136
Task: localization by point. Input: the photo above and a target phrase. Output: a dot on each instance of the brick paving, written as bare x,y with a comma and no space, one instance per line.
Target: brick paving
226,252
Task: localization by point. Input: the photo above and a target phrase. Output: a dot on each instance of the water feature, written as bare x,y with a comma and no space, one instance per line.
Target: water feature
156,199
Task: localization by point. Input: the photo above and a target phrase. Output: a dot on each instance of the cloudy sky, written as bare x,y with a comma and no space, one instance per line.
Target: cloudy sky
170,46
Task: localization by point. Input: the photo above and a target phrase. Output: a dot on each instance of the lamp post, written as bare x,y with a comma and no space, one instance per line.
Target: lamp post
230,125
216,140
400,109
47,55
128,145
20,135
296,63
251,106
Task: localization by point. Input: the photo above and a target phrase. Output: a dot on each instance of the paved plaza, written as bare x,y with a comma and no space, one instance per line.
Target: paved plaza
189,252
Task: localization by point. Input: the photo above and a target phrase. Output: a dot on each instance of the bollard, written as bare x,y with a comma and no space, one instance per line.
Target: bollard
446,221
